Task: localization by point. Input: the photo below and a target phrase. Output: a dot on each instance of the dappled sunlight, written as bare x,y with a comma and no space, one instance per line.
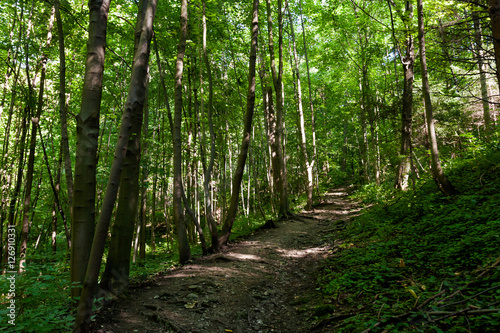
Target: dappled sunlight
241,256
295,253
201,270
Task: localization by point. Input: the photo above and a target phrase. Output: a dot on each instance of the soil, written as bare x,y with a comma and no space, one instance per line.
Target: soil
264,283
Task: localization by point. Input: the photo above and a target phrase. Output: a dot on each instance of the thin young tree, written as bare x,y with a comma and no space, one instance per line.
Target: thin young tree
408,62
275,118
35,123
308,165
62,106
494,11
247,129
437,171
182,239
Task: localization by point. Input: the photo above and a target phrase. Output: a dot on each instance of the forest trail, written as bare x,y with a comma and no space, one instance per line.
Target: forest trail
264,283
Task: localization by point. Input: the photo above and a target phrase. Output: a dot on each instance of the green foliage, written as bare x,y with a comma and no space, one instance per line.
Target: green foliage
420,246
41,297
246,225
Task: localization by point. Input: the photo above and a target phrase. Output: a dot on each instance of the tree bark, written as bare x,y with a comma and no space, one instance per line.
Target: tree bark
238,175
276,124
87,132
482,73
131,122
442,181
208,171
494,11
311,104
35,122
308,171
184,250
408,61
63,107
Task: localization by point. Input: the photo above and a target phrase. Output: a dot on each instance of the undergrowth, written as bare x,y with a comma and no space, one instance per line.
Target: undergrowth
418,261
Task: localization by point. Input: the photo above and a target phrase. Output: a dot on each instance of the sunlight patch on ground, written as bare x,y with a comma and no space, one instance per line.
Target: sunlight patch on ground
241,256
199,270
293,253
337,194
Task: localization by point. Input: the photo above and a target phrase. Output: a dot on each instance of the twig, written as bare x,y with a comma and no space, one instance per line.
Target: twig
430,299
466,310
468,298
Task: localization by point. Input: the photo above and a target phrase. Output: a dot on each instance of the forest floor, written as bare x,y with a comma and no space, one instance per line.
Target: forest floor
265,282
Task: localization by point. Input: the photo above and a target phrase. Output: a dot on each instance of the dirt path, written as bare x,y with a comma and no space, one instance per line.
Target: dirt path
265,283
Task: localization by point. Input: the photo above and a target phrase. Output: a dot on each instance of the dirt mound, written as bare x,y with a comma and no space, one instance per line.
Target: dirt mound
265,283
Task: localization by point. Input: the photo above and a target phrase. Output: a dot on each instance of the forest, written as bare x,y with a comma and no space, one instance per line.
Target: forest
142,139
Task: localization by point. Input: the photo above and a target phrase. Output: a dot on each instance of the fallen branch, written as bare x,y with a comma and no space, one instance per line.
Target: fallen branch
468,311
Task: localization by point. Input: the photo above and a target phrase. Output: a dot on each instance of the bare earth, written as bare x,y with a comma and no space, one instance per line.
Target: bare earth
264,283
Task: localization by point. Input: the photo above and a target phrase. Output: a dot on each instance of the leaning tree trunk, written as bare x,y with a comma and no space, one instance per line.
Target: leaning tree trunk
131,120
247,130
116,274
442,181
184,250
87,133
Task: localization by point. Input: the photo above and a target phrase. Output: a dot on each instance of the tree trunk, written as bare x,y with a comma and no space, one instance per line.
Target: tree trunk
308,172
35,122
238,175
63,108
408,61
208,172
494,12
311,104
184,250
279,173
131,122
482,74
441,179
87,133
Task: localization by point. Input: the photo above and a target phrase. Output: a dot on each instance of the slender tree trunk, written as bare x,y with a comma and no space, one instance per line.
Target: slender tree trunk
143,213
343,165
19,178
482,74
441,179
405,159
247,130
55,190
311,104
83,218
308,171
131,122
494,12
279,167
35,122
63,108
208,172
184,250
